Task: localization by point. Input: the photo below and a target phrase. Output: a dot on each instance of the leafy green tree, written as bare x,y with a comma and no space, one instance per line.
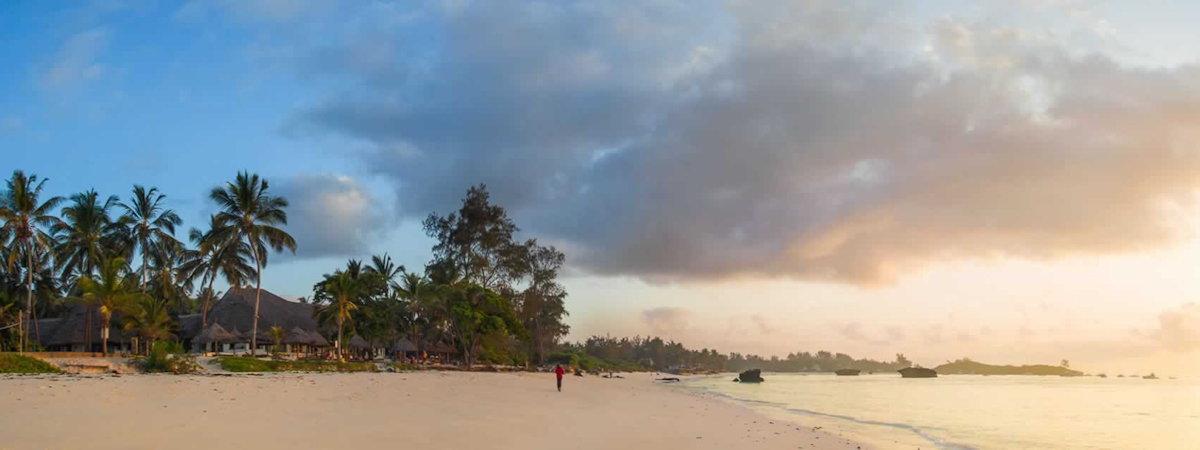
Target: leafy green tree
476,312
477,241
26,219
110,291
148,318
151,226
542,304
250,214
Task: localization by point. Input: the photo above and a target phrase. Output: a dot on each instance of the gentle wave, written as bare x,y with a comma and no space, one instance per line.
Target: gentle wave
928,437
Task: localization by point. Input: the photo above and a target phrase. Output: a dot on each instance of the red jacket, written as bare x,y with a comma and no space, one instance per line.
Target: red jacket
558,371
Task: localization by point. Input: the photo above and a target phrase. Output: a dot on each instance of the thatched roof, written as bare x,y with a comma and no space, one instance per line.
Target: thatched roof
215,333
404,345
70,328
358,342
298,336
235,312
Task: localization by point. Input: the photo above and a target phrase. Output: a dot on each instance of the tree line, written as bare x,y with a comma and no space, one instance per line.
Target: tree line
653,353
116,256
495,298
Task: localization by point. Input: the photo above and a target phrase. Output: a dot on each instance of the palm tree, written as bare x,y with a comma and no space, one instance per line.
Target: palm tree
426,315
86,234
250,214
276,337
216,255
111,292
151,225
25,220
340,294
386,268
149,318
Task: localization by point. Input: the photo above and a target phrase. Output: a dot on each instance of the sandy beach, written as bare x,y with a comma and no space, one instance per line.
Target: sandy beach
378,410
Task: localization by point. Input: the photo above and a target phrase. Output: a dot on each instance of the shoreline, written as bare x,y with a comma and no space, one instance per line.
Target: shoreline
421,409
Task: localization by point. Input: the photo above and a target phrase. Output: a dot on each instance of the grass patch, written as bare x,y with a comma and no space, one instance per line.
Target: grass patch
245,364
14,363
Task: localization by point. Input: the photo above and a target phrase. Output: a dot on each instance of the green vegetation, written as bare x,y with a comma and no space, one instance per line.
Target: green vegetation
121,259
168,357
968,367
248,364
15,363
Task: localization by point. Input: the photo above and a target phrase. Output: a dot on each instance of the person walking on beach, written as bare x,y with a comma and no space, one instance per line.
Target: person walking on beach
558,373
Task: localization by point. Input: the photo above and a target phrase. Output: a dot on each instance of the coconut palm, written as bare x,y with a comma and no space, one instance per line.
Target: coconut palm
425,314
386,268
110,290
151,226
276,337
339,295
26,220
149,319
216,255
85,236
250,214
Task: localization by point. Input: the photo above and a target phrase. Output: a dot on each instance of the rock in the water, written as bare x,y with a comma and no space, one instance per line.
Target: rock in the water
750,376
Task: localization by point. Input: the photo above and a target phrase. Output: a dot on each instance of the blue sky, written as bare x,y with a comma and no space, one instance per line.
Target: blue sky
754,176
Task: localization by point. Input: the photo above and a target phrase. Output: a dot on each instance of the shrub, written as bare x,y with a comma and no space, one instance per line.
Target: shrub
15,363
248,364
169,357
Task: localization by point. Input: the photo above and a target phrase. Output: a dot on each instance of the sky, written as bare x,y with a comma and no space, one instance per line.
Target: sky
1012,181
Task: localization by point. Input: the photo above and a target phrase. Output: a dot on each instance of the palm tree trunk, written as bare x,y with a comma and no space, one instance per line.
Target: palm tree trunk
257,298
28,292
339,340
207,300
142,276
104,335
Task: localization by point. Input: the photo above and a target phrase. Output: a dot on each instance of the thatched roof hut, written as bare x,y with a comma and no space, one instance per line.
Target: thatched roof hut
71,331
358,343
404,345
299,336
235,311
217,334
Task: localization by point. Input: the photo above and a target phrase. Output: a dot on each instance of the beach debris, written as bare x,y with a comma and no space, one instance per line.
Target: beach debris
669,379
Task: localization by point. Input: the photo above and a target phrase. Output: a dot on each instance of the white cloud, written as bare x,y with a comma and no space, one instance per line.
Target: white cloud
841,141
76,61
332,215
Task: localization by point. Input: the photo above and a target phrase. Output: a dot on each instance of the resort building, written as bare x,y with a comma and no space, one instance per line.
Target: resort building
230,323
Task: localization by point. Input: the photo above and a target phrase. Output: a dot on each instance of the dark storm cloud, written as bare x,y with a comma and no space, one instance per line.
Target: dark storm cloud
812,140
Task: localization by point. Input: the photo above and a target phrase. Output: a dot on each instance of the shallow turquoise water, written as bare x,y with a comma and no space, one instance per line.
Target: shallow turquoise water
967,411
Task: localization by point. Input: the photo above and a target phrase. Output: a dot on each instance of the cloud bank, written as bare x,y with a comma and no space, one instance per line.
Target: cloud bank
842,141
331,215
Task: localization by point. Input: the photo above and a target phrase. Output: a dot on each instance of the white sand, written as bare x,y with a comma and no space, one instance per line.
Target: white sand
380,410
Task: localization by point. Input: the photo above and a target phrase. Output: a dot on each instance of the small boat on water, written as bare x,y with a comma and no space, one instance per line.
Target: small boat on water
917,372
1152,376
847,372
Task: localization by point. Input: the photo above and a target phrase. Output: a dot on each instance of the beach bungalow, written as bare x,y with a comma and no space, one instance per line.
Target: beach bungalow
79,331
233,313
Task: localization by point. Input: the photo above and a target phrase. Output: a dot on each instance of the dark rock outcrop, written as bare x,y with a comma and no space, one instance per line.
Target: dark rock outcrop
750,376
917,372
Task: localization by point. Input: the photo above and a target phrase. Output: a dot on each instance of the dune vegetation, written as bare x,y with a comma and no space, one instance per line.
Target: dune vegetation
16,363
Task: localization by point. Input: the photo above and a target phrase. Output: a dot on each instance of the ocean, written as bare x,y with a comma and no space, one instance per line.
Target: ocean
980,412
